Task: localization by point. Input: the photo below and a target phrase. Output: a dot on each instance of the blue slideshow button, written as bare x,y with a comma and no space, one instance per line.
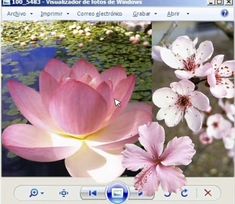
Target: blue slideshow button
117,193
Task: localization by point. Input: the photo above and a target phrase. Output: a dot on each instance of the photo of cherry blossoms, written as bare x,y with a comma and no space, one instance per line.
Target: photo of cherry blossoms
74,94
193,91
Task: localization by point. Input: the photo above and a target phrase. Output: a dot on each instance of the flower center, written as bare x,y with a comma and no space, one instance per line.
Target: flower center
190,64
218,78
183,102
215,124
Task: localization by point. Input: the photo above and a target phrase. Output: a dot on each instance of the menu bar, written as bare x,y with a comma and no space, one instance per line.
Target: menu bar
117,14
82,3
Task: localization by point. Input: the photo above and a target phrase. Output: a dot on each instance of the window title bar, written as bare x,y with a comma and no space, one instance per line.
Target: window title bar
160,3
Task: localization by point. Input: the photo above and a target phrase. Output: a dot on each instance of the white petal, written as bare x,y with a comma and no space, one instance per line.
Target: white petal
194,119
173,116
200,101
217,126
229,140
213,118
229,87
218,91
217,61
195,41
182,74
183,87
90,162
164,97
183,47
170,59
162,113
204,52
226,69
211,79
203,70
212,132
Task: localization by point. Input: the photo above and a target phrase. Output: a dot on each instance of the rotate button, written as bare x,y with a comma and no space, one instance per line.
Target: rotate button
135,195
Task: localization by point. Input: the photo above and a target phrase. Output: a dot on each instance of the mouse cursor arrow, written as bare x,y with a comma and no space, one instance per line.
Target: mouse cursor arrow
117,103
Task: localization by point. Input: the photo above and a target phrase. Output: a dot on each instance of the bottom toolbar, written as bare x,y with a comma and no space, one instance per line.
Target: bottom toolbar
115,193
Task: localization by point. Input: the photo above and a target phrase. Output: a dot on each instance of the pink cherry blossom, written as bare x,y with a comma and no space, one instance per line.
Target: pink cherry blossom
219,79
158,166
217,126
74,117
205,139
183,56
181,100
231,153
228,108
229,139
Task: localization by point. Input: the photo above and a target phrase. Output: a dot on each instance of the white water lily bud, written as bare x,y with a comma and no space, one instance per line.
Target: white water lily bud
80,32
78,27
87,29
61,36
146,43
33,37
75,32
108,32
81,45
150,32
132,38
128,33
22,44
88,34
71,27
137,36
42,35
53,33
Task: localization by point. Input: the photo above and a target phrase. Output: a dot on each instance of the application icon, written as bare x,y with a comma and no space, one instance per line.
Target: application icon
117,193
33,192
6,2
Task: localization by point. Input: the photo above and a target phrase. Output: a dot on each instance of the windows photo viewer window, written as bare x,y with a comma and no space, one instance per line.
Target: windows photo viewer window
117,101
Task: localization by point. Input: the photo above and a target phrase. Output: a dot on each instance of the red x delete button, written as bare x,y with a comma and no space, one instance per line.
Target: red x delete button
208,192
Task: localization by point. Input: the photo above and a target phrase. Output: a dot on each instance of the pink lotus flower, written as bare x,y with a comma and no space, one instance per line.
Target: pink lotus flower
181,101
158,166
74,117
217,126
205,139
228,108
183,56
220,84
